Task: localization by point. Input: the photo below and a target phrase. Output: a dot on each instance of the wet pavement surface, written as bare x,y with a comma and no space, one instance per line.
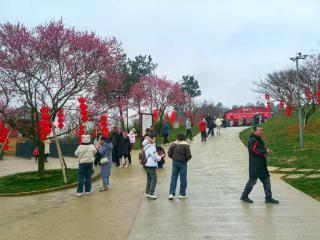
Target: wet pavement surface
216,177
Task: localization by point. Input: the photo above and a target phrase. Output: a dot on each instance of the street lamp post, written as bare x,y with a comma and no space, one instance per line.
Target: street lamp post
296,59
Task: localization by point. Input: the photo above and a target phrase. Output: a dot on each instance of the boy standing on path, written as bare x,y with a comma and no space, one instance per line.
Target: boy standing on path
151,167
258,167
180,154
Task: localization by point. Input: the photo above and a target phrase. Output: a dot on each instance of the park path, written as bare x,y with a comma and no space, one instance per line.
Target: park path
217,174
216,177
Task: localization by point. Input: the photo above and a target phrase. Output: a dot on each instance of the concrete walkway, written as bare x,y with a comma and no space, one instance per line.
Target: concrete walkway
217,174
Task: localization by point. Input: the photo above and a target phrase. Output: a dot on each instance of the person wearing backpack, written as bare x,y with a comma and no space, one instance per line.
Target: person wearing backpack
180,154
150,160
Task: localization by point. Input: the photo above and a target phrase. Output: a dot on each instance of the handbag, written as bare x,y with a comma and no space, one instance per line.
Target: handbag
104,160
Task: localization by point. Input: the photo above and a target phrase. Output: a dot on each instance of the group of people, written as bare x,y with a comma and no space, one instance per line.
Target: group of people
122,142
210,123
108,147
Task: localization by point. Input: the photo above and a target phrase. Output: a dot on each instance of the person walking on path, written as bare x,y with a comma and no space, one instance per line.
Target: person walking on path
203,130
180,154
36,153
218,123
165,132
115,136
151,165
85,153
123,149
96,143
258,167
189,128
211,124
132,137
105,151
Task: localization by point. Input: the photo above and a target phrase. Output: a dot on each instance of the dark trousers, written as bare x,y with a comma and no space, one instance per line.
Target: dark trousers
165,138
210,131
151,180
97,159
189,133
179,168
203,136
252,181
85,172
115,157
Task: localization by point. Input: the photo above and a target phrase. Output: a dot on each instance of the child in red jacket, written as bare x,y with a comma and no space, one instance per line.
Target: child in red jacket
36,153
203,130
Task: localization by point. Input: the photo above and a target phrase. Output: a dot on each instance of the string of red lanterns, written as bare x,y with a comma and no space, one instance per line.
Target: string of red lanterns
104,126
60,118
155,114
173,116
3,136
44,123
83,109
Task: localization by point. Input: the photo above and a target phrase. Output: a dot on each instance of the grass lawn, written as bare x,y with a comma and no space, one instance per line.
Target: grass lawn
281,134
31,181
172,136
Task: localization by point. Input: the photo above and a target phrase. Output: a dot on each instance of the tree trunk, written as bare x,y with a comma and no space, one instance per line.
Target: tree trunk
41,158
121,117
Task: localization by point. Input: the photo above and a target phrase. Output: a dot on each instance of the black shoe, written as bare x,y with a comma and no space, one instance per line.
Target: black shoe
246,199
272,201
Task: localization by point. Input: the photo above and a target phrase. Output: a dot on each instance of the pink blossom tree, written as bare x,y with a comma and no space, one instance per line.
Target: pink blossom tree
52,66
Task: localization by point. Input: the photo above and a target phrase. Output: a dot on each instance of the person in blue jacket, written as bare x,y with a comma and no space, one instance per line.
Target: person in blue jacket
105,150
165,132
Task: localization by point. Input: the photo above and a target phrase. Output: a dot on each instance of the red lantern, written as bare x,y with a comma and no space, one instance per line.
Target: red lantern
167,117
60,125
281,104
173,117
307,93
44,110
82,100
83,107
288,110
81,126
155,114
103,118
85,118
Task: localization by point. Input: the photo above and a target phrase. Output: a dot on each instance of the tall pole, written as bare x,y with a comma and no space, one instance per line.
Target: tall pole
300,108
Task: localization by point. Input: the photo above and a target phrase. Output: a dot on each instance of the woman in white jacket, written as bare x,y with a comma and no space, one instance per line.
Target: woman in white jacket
218,123
151,167
85,153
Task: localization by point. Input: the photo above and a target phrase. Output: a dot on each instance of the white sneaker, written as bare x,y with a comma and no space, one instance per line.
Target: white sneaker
171,197
79,194
126,166
88,193
120,166
183,196
152,197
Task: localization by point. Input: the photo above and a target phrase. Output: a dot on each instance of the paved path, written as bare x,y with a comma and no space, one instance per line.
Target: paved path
217,174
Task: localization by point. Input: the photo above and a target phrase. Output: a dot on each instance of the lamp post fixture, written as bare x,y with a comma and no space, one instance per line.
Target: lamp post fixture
296,59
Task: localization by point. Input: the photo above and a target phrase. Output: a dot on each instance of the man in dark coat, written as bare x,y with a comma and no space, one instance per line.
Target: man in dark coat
210,124
258,167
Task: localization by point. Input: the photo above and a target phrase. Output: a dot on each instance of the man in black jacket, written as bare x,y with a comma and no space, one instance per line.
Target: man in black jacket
258,167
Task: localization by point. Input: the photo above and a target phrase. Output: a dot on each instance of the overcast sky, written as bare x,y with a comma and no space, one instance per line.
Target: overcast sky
226,45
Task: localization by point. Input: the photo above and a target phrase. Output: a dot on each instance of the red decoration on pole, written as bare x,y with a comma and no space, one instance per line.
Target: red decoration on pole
173,117
83,109
167,117
60,118
155,114
308,95
281,105
44,123
104,126
3,136
288,110
269,106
